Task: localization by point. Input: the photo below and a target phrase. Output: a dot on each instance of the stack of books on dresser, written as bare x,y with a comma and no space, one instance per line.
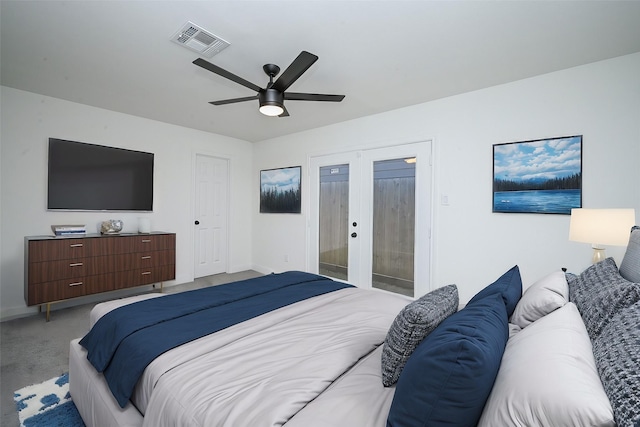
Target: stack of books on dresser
68,230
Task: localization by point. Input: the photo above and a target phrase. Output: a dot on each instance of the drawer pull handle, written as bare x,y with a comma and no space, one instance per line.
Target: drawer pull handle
76,245
146,240
75,284
146,257
75,264
146,272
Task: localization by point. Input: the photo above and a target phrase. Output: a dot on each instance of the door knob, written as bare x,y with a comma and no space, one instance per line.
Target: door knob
354,234
197,222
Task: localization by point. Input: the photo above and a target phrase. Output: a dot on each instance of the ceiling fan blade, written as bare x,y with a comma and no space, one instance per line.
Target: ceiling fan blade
285,113
234,100
226,74
312,97
295,70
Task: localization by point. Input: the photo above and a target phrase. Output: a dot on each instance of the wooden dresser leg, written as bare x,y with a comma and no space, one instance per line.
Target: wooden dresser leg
48,310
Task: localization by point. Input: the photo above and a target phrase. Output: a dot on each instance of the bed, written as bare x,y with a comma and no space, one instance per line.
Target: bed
289,356
566,352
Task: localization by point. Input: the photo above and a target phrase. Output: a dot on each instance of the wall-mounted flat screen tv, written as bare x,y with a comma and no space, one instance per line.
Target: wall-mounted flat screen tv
89,177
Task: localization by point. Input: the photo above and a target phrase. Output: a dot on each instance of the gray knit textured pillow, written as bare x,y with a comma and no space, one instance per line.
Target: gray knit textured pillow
412,325
617,354
630,265
599,293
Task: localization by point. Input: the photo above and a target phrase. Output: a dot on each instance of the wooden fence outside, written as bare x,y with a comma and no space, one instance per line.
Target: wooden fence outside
394,227
334,227
393,230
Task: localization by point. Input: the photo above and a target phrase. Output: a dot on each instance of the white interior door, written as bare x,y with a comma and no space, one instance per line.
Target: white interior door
370,217
210,209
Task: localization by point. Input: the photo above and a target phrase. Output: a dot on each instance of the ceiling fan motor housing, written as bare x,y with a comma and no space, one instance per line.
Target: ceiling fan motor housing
271,97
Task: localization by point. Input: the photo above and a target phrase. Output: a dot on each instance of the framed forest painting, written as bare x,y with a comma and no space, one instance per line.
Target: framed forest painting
280,190
539,176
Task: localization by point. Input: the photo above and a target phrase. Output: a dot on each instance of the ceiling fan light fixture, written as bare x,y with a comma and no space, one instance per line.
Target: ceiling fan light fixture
271,103
271,110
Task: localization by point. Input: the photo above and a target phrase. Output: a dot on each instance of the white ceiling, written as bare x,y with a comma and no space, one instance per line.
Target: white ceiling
382,55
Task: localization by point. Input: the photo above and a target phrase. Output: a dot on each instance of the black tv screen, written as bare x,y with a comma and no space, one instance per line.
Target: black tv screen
98,178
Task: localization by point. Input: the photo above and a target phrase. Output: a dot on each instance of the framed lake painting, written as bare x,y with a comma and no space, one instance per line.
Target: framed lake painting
540,176
280,190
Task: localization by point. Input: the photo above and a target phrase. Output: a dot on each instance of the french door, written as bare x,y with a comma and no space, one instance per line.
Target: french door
370,217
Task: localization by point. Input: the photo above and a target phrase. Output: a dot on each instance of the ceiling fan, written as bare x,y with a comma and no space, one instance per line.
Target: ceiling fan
272,97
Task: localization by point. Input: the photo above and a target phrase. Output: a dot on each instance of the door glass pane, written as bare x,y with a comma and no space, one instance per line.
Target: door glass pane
394,225
334,221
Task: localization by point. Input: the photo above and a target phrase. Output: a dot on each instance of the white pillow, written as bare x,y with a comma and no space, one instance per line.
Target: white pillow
544,296
548,377
513,329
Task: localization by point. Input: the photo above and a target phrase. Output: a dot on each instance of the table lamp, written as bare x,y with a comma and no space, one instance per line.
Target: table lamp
601,227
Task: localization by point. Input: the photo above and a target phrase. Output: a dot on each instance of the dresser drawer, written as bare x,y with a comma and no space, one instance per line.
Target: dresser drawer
65,248
68,268
40,293
144,242
144,259
144,276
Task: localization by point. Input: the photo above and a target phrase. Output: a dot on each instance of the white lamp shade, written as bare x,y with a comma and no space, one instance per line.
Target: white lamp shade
601,226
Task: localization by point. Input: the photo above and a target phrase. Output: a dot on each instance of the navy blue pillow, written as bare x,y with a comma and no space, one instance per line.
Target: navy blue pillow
509,285
449,376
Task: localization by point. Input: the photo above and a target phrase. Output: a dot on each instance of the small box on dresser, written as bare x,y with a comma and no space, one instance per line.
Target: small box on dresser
59,268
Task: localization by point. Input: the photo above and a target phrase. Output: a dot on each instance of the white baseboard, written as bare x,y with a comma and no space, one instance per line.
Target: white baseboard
262,269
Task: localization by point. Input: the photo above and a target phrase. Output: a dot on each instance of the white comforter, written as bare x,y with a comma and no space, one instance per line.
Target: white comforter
273,370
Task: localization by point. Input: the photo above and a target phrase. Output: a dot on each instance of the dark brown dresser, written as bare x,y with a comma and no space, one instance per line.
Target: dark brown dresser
59,268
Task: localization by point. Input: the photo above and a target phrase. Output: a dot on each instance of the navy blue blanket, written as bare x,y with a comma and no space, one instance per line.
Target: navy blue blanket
124,341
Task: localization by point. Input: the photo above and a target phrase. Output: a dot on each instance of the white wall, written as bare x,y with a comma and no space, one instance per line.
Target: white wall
471,245
28,120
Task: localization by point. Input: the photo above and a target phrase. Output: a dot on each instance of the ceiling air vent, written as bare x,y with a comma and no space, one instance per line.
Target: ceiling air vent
197,39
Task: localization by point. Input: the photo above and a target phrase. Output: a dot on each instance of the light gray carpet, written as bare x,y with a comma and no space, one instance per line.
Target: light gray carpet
32,350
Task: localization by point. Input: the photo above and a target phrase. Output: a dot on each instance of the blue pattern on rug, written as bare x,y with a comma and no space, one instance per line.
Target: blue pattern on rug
47,404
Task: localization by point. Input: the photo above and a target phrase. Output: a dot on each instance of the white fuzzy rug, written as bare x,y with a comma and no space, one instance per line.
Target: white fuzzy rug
47,404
